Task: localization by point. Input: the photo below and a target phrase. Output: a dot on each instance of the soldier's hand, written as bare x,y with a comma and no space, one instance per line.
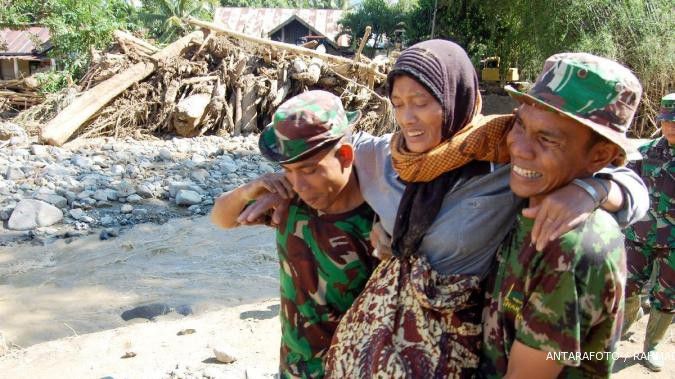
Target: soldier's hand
257,212
561,211
381,242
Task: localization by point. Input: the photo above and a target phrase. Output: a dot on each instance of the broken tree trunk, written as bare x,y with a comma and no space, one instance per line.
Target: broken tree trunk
188,114
59,130
246,120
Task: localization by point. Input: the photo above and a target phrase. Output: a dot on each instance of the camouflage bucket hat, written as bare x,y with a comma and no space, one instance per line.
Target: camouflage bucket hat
595,91
304,125
667,112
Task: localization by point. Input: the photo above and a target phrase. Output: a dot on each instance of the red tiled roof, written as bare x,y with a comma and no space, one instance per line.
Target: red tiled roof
260,21
19,41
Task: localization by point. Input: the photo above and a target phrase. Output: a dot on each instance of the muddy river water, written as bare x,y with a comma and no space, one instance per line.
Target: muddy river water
57,290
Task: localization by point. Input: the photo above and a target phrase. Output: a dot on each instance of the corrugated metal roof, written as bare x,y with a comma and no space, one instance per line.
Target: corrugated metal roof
19,41
260,21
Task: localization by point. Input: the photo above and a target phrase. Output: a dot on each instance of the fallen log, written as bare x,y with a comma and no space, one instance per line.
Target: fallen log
68,121
285,46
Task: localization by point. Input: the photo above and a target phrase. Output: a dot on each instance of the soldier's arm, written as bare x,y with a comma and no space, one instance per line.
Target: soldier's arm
524,361
229,206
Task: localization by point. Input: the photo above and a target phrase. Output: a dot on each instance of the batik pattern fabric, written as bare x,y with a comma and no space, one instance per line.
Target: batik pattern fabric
410,322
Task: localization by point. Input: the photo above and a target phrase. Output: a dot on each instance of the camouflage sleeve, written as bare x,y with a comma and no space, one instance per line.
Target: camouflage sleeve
635,194
564,305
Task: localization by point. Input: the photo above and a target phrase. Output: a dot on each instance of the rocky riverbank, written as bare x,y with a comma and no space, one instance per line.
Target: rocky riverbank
49,192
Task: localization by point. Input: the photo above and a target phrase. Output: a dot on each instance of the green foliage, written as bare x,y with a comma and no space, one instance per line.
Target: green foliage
637,33
163,18
52,81
76,26
382,17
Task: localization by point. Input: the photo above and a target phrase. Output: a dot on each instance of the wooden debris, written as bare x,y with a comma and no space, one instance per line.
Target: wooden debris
59,130
223,84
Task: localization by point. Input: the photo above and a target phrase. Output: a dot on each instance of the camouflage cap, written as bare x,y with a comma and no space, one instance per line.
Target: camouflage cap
304,125
595,91
667,112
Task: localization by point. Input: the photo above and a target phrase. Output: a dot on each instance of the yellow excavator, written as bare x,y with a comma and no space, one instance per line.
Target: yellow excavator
489,71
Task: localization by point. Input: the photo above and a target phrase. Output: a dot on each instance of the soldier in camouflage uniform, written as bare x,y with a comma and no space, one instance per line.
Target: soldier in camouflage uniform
558,312
650,243
324,252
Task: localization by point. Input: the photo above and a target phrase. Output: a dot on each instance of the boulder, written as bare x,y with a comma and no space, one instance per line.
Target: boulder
30,214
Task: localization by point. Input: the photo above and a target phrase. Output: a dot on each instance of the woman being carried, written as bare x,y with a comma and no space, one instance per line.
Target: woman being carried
447,206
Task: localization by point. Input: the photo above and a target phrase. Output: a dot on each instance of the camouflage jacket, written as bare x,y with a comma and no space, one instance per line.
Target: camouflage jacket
657,170
567,299
325,261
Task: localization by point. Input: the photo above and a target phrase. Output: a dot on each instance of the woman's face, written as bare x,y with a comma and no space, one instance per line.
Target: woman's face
418,113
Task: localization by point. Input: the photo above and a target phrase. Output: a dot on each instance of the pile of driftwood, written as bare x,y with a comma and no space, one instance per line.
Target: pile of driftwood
19,93
211,81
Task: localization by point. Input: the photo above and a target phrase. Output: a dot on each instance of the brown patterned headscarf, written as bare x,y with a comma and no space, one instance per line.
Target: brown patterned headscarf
446,71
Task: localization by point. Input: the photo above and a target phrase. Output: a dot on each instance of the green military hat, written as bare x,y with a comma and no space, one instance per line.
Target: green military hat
667,112
304,125
595,91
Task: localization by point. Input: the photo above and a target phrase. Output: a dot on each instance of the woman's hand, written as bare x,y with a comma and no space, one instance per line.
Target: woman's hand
257,212
561,211
273,183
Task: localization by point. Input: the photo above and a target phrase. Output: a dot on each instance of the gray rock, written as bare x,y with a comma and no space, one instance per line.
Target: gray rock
39,150
145,190
108,233
31,213
174,187
6,212
117,170
55,200
187,197
14,173
200,175
132,171
125,188
107,220
81,161
77,213
127,208
134,198
57,170
197,159
195,209
103,195
140,212
84,194
165,154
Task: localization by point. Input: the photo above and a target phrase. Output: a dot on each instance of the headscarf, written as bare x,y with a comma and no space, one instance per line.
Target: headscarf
468,139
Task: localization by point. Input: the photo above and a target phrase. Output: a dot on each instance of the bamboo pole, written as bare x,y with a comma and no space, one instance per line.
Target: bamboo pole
59,129
283,46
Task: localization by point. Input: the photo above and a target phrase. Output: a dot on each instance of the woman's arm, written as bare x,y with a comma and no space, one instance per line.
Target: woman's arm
624,194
